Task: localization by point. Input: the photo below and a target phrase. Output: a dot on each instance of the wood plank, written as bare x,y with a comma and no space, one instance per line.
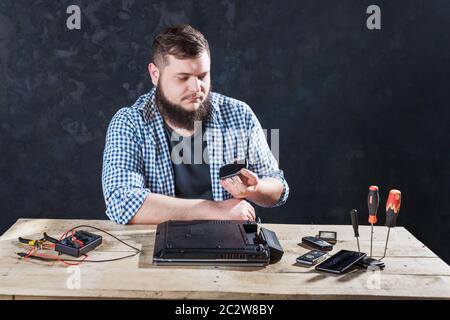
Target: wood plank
157,283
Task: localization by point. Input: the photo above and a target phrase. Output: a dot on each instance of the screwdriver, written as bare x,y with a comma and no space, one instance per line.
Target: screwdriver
392,210
354,217
373,199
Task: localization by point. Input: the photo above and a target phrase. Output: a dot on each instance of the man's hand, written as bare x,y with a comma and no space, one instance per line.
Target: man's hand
235,209
264,192
243,185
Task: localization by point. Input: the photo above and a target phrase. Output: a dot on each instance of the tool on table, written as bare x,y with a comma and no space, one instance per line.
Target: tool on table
373,199
354,217
33,243
366,261
392,210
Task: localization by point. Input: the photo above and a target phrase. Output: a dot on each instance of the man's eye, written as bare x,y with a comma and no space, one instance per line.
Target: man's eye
182,78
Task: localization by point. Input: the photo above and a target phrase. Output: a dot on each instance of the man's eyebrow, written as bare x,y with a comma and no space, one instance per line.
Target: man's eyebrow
188,74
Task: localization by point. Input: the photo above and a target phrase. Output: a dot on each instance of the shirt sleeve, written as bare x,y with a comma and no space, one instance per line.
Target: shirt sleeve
261,159
123,179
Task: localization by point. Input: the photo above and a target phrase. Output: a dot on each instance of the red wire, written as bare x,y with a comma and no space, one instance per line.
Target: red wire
52,246
55,258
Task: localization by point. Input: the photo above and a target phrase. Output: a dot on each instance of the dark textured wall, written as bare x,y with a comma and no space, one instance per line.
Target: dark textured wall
355,107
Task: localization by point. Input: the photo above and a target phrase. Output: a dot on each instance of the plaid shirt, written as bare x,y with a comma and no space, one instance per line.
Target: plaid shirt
137,161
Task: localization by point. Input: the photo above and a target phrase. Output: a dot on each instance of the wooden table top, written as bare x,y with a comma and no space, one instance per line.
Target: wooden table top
412,270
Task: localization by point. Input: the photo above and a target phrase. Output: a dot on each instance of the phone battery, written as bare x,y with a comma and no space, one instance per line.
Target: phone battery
328,236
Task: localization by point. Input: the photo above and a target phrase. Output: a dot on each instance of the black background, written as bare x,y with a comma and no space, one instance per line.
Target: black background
355,107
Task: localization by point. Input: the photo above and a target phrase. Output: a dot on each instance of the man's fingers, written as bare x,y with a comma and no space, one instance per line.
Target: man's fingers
251,210
228,185
238,185
247,173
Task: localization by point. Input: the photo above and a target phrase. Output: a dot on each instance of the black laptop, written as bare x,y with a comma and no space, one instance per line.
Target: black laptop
215,242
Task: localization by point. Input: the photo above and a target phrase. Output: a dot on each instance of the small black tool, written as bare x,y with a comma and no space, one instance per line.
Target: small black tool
232,169
317,243
354,217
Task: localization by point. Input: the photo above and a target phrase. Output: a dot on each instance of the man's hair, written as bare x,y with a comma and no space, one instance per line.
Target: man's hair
181,41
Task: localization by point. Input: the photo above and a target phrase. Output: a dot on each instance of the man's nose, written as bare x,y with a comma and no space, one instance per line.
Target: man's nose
194,84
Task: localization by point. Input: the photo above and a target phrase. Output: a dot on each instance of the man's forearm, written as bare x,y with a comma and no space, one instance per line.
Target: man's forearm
158,208
268,193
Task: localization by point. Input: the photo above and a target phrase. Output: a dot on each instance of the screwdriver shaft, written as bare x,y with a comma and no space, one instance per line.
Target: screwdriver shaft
387,240
357,241
371,238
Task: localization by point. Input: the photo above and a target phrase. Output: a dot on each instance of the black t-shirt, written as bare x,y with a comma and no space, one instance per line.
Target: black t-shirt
192,178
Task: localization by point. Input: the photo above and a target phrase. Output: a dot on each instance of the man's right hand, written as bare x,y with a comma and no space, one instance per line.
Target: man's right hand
235,209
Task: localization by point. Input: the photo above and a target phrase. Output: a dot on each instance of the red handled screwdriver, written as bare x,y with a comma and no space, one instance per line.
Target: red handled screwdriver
392,210
373,199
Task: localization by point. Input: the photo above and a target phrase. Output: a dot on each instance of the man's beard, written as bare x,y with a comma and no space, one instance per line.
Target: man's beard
177,115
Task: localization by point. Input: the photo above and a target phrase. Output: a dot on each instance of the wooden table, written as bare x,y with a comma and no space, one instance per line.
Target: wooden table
412,270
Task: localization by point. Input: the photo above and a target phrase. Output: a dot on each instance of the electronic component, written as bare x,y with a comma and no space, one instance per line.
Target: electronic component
370,262
232,169
328,236
341,261
312,257
275,249
76,244
317,243
215,242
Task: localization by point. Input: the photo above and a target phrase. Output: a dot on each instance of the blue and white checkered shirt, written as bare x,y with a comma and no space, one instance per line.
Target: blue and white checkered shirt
137,160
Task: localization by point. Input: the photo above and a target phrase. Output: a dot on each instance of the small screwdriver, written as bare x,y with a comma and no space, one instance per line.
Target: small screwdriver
373,199
392,210
354,217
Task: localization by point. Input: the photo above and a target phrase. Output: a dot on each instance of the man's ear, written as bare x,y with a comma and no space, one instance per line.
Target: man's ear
154,73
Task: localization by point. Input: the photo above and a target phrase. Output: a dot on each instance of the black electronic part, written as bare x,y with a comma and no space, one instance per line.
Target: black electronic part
340,262
317,243
53,240
312,257
328,236
79,244
232,169
370,262
275,248
215,242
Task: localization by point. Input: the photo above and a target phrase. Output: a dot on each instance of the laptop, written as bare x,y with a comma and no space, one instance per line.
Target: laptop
215,242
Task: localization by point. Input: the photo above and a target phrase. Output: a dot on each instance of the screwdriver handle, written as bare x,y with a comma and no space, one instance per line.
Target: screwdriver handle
354,217
393,208
373,199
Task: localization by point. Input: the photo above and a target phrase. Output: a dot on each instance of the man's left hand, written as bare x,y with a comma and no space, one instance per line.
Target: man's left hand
243,185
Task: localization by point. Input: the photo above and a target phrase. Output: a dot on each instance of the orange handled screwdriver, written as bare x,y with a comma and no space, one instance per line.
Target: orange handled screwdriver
392,210
373,199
